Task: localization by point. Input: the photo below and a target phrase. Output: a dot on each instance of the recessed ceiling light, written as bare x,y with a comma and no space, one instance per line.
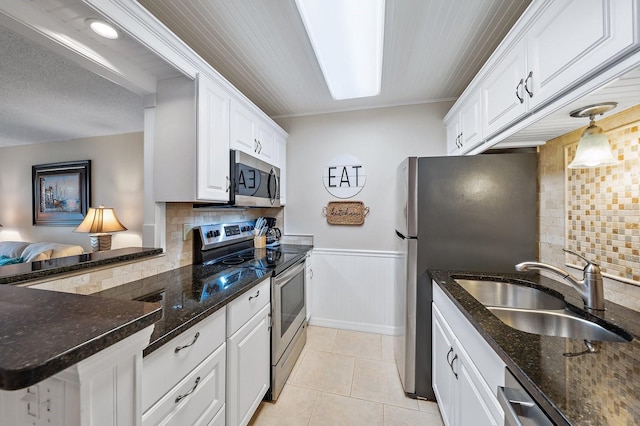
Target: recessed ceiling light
347,38
102,28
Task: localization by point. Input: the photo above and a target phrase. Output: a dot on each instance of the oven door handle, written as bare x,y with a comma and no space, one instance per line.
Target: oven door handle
289,273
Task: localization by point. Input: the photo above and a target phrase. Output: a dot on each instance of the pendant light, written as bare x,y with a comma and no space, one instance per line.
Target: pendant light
593,148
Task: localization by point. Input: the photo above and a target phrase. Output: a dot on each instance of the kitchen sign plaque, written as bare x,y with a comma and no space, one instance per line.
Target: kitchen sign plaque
344,176
345,212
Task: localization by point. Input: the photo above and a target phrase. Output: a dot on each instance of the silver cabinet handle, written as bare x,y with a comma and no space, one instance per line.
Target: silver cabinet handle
256,296
259,147
181,397
179,348
518,91
526,84
311,272
449,353
255,141
228,183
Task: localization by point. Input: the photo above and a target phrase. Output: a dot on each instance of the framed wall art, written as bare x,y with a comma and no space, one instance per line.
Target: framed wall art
61,193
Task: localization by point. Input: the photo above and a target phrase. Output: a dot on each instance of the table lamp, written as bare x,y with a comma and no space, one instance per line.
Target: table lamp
101,222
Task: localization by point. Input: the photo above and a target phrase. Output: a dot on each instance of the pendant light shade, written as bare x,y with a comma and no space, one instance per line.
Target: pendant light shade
593,148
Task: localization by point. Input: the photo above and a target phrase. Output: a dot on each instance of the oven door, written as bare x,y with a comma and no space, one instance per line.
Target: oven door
289,310
255,183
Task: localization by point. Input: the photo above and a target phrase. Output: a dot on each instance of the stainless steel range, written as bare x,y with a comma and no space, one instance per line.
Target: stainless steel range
231,244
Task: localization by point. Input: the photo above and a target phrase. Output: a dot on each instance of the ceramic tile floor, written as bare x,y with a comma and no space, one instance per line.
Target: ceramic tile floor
345,378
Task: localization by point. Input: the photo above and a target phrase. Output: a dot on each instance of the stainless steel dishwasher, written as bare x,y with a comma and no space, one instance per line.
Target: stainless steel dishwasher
519,407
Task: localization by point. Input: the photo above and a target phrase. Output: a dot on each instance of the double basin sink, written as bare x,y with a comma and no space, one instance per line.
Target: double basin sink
539,311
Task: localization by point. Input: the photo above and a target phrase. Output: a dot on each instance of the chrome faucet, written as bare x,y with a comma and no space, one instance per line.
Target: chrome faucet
590,288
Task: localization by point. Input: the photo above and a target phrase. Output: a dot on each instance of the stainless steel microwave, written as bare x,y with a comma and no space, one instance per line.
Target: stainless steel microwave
254,183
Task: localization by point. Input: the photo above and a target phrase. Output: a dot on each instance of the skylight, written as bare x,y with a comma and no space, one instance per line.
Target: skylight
347,38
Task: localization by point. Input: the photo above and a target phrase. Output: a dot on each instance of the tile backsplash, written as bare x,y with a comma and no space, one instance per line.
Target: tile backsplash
595,212
602,208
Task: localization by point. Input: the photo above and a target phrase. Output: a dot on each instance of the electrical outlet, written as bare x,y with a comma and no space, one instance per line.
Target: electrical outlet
186,228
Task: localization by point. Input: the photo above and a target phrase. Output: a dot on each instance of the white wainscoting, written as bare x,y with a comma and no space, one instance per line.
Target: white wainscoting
354,290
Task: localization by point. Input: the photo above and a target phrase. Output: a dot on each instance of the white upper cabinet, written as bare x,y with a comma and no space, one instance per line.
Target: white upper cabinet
191,145
503,94
572,40
251,134
555,48
464,125
213,141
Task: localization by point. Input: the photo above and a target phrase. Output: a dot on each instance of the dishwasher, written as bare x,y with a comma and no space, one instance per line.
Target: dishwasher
519,407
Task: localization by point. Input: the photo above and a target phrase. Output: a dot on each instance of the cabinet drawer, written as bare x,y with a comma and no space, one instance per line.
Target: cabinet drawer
196,399
247,305
162,369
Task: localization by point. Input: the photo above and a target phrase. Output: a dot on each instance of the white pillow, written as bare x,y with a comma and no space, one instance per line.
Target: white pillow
12,249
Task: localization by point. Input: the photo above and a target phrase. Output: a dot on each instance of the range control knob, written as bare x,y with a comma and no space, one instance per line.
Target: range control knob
209,234
244,229
216,233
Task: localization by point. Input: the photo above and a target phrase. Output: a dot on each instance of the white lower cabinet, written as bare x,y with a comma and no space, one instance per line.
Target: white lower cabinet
248,353
465,388
196,399
184,381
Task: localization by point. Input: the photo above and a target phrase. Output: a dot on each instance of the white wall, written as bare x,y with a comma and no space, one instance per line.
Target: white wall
116,181
354,267
380,138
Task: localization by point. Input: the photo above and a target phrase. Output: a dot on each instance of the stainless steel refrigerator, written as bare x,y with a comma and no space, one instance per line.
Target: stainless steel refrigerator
470,213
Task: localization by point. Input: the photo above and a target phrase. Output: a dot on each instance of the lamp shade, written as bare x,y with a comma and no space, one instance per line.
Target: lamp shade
100,220
593,150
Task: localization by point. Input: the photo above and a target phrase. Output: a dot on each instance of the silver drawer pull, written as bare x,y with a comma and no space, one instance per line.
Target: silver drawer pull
256,296
179,348
181,397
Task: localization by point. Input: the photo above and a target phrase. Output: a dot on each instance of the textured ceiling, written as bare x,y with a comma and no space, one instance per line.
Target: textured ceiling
432,49
46,97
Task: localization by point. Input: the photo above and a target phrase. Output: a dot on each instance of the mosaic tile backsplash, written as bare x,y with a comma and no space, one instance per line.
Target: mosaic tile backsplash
603,208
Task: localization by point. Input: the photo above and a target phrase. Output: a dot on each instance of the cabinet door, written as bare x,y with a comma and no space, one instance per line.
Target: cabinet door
471,122
453,133
503,95
443,377
213,141
572,39
473,398
266,143
248,368
243,129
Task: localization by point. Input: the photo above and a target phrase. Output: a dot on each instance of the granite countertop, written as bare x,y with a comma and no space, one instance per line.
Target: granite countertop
187,298
43,332
23,272
592,389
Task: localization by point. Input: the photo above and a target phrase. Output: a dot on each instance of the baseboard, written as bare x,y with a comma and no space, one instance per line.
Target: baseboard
352,326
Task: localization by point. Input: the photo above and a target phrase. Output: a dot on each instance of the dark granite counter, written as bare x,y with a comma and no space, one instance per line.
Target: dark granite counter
43,332
191,293
24,272
593,389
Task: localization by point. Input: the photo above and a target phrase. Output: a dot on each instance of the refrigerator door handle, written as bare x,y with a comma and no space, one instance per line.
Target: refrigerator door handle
404,237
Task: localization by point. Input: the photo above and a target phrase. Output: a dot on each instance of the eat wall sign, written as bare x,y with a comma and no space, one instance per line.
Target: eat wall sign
344,176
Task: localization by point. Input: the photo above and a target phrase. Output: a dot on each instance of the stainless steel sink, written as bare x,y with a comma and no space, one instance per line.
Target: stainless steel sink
499,293
561,323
